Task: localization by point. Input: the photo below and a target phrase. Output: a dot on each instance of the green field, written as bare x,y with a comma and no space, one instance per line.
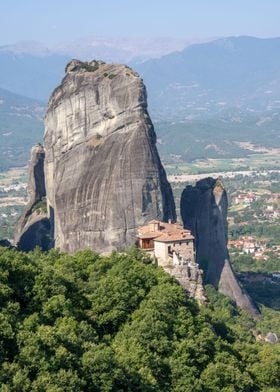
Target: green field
218,136
252,162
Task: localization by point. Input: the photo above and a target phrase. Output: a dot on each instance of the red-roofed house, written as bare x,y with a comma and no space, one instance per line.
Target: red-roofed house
169,242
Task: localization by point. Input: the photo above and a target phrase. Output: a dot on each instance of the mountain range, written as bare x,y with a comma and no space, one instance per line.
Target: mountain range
236,72
226,90
34,69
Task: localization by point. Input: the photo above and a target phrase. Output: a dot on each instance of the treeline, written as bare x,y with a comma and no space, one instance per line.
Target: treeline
248,263
268,230
92,323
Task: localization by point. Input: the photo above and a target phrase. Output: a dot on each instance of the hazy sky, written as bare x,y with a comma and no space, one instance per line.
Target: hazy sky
52,21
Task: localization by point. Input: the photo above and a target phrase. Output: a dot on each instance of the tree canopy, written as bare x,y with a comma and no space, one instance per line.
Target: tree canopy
86,322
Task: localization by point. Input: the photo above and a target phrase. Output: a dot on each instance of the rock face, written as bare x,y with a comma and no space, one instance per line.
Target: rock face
270,337
189,276
204,212
103,174
33,228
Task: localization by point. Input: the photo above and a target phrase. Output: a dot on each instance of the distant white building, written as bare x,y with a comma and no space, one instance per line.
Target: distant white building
247,198
249,247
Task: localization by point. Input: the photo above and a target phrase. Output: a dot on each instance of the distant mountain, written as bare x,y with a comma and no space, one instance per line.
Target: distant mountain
234,72
32,69
27,47
206,100
31,75
210,100
21,125
203,78
123,50
108,48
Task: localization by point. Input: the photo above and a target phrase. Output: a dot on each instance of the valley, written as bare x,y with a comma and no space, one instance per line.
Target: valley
261,180
226,167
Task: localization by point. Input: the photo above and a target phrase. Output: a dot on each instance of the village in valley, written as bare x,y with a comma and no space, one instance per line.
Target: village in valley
264,208
253,214
13,197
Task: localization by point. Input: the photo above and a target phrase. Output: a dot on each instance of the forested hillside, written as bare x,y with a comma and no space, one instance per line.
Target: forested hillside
229,135
231,72
92,323
21,126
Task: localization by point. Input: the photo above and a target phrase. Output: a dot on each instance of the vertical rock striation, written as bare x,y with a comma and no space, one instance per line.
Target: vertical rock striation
103,173
33,228
204,212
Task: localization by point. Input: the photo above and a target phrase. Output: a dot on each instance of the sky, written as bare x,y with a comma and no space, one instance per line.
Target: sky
54,21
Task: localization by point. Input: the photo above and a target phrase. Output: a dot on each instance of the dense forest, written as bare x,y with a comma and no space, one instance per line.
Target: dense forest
92,323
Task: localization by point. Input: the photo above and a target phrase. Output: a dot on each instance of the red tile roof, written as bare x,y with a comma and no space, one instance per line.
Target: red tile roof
166,232
174,237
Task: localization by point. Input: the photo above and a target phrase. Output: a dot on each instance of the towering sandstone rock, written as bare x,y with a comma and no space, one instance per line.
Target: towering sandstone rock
103,175
204,212
34,227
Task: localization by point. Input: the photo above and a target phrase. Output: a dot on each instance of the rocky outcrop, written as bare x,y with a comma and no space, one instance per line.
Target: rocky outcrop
270,337
189,276
204,212
34,228
103,173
